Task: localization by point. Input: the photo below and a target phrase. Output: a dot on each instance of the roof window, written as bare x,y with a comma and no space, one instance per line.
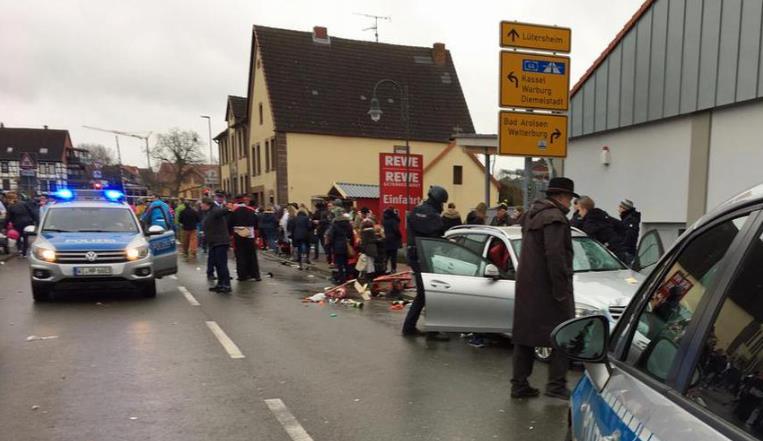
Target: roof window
43,150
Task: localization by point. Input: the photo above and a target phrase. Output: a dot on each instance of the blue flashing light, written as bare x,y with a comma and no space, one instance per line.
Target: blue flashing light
64,194
113,195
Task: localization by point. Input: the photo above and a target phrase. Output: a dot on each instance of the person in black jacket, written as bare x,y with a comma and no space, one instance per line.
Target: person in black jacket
369,242
299,231
218,240
630,222
478,215
269,228
21,215
243,219
324,223
393,238
189,220
341,237
597,224
423,221
451,217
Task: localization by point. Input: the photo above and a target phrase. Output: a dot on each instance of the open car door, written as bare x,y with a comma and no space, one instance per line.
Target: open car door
459,297
649,252
164,251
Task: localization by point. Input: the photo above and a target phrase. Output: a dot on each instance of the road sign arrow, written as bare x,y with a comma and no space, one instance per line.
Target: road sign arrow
513,34
513,78
556,134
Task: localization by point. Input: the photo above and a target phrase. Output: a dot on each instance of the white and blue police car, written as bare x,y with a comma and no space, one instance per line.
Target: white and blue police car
685,360
90,240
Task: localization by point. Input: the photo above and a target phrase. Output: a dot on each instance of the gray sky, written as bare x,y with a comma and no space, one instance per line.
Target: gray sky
147,65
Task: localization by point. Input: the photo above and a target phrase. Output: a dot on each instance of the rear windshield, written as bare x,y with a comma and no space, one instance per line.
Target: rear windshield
90,220
588,255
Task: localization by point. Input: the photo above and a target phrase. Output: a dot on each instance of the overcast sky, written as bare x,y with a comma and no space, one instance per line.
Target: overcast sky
150,65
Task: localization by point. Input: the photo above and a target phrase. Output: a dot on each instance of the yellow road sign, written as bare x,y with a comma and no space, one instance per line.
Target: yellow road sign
534,81
532,134
531,36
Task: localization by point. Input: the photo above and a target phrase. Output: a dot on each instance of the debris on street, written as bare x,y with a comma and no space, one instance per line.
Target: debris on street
36,338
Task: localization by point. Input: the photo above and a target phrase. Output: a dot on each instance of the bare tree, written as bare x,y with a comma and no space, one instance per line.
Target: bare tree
98,152
181,149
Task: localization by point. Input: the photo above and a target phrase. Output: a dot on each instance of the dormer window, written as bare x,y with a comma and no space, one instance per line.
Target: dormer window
9,150
43,150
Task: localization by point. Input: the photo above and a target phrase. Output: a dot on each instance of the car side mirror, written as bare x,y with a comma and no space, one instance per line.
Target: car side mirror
155,230
492,272
583,339
30,230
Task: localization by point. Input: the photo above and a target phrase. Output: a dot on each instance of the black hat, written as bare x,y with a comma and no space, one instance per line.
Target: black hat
561,185
365,210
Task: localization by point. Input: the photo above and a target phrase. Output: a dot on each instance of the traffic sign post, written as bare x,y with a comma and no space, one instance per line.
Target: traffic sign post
537,37
532,134
534,81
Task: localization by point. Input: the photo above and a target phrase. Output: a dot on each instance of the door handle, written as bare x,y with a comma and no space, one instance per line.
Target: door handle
439,284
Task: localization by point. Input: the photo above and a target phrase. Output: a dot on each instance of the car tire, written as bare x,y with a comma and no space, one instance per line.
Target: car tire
543,354
40,293
149,289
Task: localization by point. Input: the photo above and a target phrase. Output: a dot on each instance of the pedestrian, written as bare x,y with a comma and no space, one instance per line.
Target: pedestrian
599,225
189,221
315,234
19,215
630,219
362,215
324,223
423,221
478,215
369,247
218,240
269,228
340,238
393,238
544,297
502,218
299,230
451,217
157,213
243,219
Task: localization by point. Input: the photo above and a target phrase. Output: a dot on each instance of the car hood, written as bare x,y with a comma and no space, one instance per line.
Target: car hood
606,288
89,241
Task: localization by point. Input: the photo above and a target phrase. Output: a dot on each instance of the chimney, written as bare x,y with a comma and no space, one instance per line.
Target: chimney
2,126
321,35
45,127
439,56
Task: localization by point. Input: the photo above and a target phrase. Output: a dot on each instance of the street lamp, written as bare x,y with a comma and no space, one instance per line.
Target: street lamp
209,126
375,112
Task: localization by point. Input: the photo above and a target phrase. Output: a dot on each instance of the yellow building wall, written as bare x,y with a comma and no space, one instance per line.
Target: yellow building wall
259,133
315,162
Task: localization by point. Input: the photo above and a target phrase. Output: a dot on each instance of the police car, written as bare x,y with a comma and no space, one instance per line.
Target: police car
685,361
90,240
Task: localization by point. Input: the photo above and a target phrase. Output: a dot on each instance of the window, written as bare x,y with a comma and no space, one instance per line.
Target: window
728,379
9,150
4,167
448,258
498,255
267,156
458,175
587,255
273,154
258,160
43,150
669,311
260,113
6,184
474,242
254,161
94,219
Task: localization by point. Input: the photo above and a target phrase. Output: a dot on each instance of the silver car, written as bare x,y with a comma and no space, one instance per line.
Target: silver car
469,280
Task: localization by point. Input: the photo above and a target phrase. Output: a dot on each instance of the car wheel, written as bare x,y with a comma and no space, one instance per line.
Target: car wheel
40,293
543,354
149,289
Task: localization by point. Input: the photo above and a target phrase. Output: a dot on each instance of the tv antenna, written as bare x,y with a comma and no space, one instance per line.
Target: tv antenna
375,27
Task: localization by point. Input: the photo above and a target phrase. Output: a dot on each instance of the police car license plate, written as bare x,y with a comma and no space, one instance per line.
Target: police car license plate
92,271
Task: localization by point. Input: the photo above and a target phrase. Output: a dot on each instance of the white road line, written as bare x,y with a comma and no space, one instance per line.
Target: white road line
224,340
188,296
288,421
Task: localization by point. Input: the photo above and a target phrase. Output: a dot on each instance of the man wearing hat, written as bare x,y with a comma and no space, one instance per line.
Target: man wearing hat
631,225
501,218
544,296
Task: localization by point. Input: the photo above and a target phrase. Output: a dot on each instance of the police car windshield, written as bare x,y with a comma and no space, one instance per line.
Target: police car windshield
89,220
588,255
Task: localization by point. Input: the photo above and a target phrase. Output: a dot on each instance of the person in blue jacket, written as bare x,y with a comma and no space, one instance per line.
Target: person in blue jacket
158,213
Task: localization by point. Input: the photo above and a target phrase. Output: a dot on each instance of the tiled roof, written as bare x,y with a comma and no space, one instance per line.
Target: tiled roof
31,140
357,191
326,88
238,104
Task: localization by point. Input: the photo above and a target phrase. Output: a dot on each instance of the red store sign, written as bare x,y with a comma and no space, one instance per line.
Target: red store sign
401,181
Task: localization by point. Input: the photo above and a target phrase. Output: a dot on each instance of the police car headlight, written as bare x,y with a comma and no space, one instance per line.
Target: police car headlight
44,253
135,253
583,310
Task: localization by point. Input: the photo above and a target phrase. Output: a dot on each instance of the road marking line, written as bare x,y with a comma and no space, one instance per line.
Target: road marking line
224,340
188,296
288,421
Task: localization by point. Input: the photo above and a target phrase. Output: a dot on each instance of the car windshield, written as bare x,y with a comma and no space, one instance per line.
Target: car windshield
588,255
90,219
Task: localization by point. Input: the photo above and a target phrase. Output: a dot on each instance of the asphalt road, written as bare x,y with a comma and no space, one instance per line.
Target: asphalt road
120,367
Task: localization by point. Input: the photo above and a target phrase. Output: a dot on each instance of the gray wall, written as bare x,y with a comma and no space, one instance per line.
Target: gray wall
682,56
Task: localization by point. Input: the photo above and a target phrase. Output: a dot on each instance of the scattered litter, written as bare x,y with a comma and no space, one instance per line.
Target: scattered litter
333,314
35,407
532,427
357,400
310,276
98,304
174,323
198,268
501,410
270,275
36,338
319,297
133,418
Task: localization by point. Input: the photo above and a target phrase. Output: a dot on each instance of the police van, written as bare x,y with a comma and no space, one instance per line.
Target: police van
685,361
90,240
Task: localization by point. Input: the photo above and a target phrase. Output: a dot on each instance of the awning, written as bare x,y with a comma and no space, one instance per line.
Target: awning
348,190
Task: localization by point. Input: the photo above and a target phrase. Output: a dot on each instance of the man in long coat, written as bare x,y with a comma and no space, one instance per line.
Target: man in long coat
544,296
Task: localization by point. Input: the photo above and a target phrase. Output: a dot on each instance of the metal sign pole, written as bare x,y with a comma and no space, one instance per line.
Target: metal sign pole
526,183
487,176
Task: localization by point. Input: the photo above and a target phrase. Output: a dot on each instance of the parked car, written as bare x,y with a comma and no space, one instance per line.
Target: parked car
469,280
685,361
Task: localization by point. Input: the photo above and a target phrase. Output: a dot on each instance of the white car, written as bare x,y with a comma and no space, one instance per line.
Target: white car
469,279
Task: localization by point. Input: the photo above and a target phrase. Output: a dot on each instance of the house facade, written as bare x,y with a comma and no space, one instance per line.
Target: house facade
33,160
235,171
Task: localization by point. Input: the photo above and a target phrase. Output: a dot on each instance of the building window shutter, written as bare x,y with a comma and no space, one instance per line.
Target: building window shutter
267,156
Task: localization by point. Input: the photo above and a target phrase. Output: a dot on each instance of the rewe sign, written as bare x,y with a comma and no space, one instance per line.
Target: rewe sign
400,180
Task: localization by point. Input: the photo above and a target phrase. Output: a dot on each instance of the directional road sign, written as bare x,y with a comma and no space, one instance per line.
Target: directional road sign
532,134
530,36
534,81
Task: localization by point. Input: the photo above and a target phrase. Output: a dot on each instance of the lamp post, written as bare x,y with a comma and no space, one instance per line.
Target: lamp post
209,127
375,112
